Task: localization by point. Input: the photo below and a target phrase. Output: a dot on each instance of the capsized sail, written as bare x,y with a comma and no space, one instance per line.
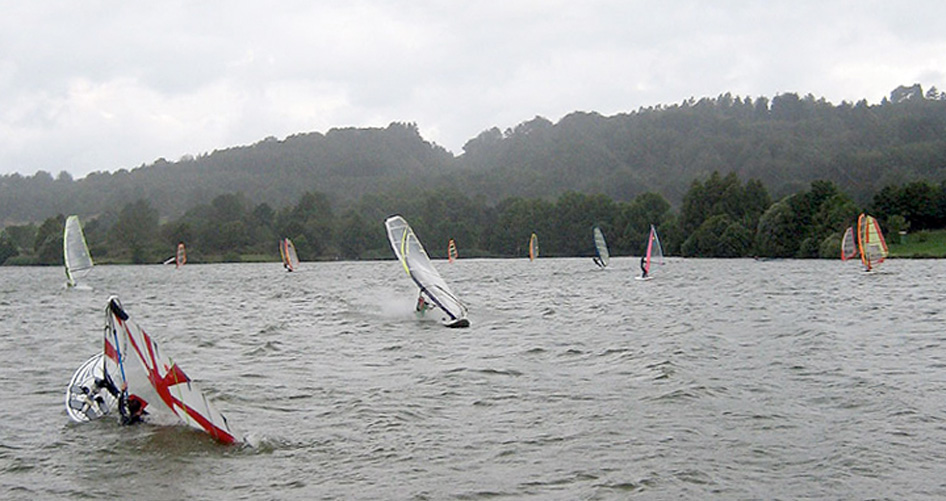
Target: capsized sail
153,382
76,255
290,260
533,247
654,254
416,263
181,258
601,248
452,251
90,394
848,245
870,241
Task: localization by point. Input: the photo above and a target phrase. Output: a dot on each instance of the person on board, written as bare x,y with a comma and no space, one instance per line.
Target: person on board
643,267
133,412
422,304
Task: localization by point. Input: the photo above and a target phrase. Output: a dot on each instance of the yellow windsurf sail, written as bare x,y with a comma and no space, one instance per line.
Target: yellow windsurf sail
870,241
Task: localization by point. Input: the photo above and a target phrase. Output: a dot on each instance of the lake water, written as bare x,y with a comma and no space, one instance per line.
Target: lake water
719,379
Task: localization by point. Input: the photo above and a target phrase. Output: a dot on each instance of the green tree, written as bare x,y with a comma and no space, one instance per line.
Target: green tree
778,231
8,249
48,243
23,237
721,195
517,219
136,231
634,220
353,235
718,236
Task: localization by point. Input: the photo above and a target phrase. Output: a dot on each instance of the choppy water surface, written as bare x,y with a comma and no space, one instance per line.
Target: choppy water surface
727,379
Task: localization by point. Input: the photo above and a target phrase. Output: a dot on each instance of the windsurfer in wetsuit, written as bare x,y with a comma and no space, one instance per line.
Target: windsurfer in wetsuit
643,267
132,409
422,304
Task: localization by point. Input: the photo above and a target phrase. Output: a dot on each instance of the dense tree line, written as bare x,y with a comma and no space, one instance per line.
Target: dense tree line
785,143
720,217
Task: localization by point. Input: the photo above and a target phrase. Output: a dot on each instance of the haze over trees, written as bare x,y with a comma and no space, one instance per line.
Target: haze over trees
705,171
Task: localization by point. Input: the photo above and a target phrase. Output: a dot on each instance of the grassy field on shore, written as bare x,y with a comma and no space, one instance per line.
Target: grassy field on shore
922,244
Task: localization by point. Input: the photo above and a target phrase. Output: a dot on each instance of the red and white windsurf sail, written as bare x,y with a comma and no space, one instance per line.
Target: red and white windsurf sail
654,254
154,381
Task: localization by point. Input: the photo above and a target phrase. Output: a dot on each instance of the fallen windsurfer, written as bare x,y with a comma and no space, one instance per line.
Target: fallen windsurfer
133,411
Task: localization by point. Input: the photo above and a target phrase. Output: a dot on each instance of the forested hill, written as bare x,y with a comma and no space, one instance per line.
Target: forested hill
343,163
786,142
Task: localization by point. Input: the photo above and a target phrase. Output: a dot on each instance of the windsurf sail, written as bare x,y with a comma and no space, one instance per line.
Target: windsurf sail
533,247
654,254
287,250
76,255
452,251
416,263
601,248
181,257
151,381
870,241
91,394
848,245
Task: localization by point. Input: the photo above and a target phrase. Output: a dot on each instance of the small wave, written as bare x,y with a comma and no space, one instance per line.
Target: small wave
499,372
268,347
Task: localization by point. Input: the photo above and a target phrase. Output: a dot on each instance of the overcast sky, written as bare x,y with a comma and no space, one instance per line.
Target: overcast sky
103,85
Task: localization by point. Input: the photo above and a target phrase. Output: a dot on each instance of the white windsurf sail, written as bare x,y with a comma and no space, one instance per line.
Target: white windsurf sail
848,245
416,263
75,251
654,254
601,248
153,382
90,394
